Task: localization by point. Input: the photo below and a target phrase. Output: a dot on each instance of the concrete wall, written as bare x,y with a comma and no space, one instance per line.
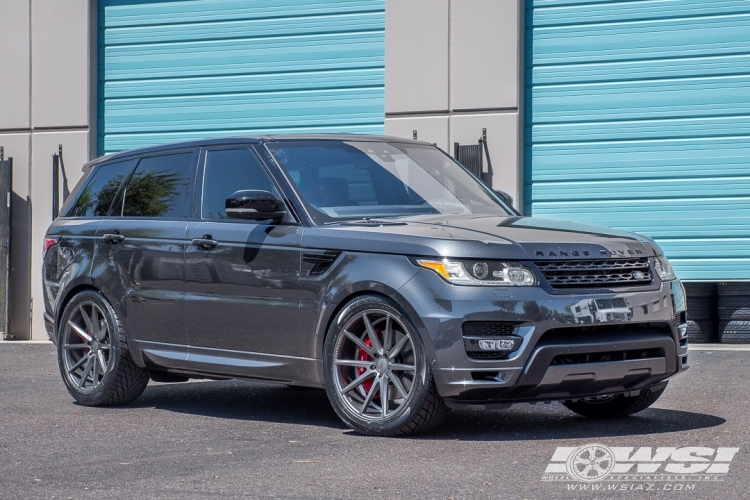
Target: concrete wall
453,67
45,100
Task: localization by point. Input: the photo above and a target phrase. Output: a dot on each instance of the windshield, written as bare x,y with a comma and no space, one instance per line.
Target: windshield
341,180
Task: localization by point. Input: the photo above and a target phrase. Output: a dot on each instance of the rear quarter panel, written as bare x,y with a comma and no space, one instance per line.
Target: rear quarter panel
67,265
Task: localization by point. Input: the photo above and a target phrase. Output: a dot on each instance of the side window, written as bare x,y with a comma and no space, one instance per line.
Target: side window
227,171
161,186
96,197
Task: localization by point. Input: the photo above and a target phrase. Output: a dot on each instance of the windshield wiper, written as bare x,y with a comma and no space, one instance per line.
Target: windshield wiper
361,220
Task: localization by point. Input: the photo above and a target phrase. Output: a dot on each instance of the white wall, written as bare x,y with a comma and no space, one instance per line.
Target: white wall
46,99
453,68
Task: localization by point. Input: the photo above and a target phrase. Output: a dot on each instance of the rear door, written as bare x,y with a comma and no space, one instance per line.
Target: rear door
242,295
141,254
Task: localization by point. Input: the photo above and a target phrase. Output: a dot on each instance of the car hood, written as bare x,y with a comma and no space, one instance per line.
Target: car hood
481,237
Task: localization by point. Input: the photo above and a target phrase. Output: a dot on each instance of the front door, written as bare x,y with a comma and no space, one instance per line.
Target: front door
142,248
242,294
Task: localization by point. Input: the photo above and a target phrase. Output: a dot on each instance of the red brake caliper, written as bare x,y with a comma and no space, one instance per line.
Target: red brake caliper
363,356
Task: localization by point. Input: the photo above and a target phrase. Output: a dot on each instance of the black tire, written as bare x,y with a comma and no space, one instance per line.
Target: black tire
729,289
700,308
734,307
701,332
421,410
617,406
698,289
734,332
735,338
120,381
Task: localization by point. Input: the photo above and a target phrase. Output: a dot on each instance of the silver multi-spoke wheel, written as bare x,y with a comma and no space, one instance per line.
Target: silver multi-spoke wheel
377,375
93,354
87,352
375,364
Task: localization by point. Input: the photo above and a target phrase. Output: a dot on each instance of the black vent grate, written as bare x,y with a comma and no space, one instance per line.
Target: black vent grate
593,273
487,328
321,261
604,357
6,183
470,157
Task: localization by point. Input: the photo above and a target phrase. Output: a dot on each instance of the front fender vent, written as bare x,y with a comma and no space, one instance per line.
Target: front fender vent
321,261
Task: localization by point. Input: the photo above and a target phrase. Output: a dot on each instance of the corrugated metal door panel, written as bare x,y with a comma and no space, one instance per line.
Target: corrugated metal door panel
184,69
638,117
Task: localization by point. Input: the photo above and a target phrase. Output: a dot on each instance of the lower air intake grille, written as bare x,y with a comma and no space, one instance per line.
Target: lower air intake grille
596,273
603,357
489,328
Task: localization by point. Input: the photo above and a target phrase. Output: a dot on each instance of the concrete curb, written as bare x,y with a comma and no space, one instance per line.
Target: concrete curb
24,342
718,347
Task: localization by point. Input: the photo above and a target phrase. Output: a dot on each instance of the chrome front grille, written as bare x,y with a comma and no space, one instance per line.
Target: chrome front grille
596,273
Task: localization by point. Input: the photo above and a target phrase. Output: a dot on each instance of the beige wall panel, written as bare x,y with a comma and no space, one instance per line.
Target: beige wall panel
416,55
75,154
484,54
60,86
17,147
502,142
14,64
432,129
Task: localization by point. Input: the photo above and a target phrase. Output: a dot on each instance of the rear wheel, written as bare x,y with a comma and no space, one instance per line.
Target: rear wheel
376,371
614,406
93,356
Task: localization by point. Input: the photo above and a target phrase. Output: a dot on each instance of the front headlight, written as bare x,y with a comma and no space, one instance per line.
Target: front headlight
484,273
664,269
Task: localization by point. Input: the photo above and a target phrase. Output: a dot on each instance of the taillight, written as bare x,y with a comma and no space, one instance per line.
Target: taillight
48,242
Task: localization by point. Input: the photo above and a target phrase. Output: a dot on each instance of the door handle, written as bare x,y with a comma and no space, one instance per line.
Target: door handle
113,238
206,243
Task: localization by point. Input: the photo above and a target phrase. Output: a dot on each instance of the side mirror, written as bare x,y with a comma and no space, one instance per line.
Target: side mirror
507,199
254,204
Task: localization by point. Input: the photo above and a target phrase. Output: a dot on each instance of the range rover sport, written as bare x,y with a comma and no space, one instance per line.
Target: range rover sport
377,268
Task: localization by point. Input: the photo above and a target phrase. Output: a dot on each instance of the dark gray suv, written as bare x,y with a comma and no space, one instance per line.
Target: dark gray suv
377,268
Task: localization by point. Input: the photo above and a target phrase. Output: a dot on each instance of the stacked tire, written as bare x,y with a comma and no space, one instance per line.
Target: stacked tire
701,312
734,313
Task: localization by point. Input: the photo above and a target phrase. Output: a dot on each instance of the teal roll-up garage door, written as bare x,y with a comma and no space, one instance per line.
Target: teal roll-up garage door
172,70
638,117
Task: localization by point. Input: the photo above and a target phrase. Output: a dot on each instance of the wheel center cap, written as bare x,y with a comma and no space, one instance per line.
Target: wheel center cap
382,365
94,346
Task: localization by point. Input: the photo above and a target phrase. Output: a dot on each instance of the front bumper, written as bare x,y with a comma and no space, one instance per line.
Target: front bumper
562,355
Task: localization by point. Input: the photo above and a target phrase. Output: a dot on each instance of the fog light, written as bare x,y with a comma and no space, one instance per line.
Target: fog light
683,331
496,345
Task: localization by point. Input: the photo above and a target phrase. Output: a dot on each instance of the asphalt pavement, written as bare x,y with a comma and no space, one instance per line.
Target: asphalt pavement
231,439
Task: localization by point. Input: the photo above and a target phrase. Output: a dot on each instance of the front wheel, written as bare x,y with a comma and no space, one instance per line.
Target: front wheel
376,371
615,406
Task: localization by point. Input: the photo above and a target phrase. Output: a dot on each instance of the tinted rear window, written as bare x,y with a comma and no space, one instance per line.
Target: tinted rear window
96,197
161,186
